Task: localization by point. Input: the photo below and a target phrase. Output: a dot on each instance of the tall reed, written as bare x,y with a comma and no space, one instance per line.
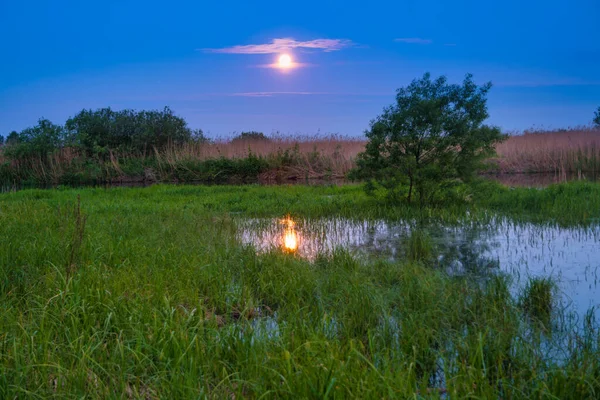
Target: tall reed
564,153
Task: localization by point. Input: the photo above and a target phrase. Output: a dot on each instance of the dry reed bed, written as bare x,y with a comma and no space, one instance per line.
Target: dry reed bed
561,152
309,157
570,151
573,151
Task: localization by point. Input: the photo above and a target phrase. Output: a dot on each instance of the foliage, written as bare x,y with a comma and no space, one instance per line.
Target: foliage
12,137
197,135
432,138
100,131
220,170
35,142
597,118
251,136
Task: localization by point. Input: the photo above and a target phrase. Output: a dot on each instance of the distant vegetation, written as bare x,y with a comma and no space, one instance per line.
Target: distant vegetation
98,146
562,152
100,132
37,142
251,136
597,118
104,145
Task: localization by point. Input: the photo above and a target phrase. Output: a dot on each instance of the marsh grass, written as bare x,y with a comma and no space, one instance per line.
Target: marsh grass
564,153
537,299
419,246
72,227
275,160
166,303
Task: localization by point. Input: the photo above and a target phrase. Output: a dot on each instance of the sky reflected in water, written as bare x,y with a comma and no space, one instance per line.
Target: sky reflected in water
571,256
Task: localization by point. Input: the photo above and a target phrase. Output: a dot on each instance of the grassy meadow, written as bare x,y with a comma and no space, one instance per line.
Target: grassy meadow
566,154
147,293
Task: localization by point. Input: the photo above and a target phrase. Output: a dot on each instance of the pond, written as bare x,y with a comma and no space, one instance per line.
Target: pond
570,256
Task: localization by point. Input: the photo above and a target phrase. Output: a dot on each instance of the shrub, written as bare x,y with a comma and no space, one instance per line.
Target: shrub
220,170
251,136
597,118
35,142
197,135
12,137
431,139
100,131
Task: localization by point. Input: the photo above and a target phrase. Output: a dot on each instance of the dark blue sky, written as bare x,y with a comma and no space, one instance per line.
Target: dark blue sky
58,57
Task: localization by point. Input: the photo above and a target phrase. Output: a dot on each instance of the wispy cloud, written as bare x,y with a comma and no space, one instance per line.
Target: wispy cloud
414,40
271,94
284,44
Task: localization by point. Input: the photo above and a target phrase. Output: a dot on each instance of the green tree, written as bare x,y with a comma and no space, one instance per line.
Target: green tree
36,142
12,137
102,130
197,136
1,140
251,136
432,138
597,118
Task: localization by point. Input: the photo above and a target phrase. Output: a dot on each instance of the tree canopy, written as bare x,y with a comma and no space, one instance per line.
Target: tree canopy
431,138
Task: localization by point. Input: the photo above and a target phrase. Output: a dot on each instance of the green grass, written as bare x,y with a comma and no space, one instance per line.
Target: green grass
572,203
145,293
537,300
564,204
419,246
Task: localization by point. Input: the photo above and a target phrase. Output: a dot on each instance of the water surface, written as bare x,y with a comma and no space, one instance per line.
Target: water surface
571,256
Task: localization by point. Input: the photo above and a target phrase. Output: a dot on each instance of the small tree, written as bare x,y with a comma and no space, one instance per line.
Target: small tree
597,118
36,142
197,136
432,138
12,138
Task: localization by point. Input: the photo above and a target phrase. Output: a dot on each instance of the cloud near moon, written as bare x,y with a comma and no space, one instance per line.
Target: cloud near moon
283,45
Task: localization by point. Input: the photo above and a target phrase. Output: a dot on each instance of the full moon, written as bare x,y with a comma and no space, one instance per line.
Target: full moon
285,61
